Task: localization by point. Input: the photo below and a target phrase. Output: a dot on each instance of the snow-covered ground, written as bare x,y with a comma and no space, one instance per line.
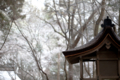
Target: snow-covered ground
6,75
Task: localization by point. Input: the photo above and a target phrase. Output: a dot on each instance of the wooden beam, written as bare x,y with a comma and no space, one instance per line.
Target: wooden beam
115,77
88,60
112,59
97,66
90,79
7,67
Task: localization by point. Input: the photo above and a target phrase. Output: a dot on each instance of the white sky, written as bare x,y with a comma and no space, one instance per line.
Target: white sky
37,3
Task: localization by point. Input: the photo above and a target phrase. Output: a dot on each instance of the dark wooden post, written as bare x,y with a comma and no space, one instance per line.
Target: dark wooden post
119,63
97,65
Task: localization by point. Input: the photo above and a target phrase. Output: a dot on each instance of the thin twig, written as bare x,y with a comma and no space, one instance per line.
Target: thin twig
33,52
58,21
109,15
53,28
22,68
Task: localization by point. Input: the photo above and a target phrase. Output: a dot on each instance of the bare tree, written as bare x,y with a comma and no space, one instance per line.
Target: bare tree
72,23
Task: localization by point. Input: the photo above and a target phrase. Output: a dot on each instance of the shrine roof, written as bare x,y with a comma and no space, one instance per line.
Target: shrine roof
73,55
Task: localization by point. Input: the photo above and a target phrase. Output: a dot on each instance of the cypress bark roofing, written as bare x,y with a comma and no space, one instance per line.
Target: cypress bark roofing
73,55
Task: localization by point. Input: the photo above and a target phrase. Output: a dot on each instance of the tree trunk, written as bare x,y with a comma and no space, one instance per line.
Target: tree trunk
70,75
100,18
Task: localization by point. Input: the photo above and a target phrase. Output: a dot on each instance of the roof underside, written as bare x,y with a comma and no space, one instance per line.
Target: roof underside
73,55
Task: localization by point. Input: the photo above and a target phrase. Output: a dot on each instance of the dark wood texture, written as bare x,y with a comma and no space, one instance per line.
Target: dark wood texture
108,68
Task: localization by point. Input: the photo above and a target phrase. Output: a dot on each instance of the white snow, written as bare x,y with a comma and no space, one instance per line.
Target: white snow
6,75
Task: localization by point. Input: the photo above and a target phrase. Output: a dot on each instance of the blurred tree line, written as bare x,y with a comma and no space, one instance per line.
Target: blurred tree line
34,39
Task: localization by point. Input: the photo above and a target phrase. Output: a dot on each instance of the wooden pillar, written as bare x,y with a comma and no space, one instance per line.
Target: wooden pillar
97,66
119,63
81,68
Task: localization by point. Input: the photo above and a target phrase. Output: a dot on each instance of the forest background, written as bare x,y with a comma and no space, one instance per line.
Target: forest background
33,34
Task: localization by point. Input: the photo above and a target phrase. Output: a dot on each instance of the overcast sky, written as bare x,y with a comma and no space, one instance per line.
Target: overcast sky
37,3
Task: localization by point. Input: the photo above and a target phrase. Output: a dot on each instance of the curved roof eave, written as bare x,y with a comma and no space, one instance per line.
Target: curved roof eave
94,44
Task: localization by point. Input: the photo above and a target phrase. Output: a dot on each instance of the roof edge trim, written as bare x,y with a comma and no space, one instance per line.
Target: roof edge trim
95,46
